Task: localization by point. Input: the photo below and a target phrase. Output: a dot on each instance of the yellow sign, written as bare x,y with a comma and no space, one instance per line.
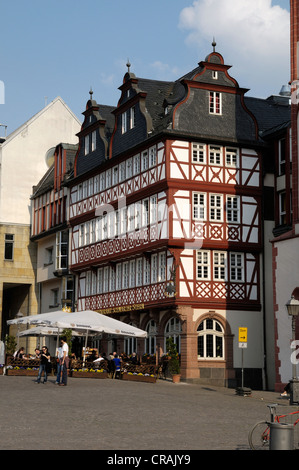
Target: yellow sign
242,335
124,308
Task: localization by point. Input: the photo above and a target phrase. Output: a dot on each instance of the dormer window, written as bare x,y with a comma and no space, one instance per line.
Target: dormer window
124,123
215,102
93,141
132,117
128,120
215,74
86,144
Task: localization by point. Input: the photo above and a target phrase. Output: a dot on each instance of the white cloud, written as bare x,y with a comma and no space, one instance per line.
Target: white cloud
165,70
252,36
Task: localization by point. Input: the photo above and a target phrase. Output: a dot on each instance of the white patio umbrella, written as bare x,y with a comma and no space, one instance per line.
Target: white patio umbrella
48,331
86,320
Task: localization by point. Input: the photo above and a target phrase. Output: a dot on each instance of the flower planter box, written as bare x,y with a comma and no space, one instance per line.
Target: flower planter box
23,372
139,378
90,375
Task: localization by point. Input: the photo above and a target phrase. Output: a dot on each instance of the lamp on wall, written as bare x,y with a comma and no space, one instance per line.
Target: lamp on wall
292,307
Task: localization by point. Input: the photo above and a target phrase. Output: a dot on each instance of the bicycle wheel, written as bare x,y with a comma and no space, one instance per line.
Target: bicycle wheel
259,436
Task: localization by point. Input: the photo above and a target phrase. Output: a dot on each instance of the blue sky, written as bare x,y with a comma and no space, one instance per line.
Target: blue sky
63,47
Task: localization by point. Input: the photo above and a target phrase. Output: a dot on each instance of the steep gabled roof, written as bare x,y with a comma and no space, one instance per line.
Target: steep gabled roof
36,116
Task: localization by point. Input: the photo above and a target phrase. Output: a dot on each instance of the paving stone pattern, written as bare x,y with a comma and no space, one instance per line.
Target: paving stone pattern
110,414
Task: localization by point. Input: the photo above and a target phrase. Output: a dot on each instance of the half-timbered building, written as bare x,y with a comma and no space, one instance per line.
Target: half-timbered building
166,219
50,232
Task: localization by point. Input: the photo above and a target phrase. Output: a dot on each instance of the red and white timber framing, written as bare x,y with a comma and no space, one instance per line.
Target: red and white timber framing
171,179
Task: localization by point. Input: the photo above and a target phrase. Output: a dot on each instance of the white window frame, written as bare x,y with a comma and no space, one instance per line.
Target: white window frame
237,267
132,117
144,161
220,266
112,279
139,272
93,141
118,276
203,265
136,164
145,212
233,209
129,168
102,181
124,122
146,272
215,103
122,172
132,273
154,268
232,157
88,284
216,208
152,156
199,206
153,209
100,281
87,233
162,267
125,275
199,153
106,279
115,175
93,283
215,155
211,334
108,178
86,144
81,235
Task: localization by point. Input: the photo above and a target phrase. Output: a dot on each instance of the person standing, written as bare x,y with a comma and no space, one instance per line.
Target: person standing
44,361
58,377
64,360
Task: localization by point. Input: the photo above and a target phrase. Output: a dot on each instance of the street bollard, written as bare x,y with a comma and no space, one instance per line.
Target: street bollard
281,436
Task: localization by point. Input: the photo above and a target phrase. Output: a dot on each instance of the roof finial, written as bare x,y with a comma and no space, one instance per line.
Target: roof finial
91,93
128,65
214,44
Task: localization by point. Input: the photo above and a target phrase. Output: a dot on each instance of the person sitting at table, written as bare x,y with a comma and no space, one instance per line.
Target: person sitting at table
99,359
134,359
93,356
20,354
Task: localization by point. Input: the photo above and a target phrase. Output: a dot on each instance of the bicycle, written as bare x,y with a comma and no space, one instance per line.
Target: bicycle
259,435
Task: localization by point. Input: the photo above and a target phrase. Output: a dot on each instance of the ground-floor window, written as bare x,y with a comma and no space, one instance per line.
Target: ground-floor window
173,330
130,345
210,343
150,341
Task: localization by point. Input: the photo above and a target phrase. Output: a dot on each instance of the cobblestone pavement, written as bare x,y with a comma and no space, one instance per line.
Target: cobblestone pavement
93,414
